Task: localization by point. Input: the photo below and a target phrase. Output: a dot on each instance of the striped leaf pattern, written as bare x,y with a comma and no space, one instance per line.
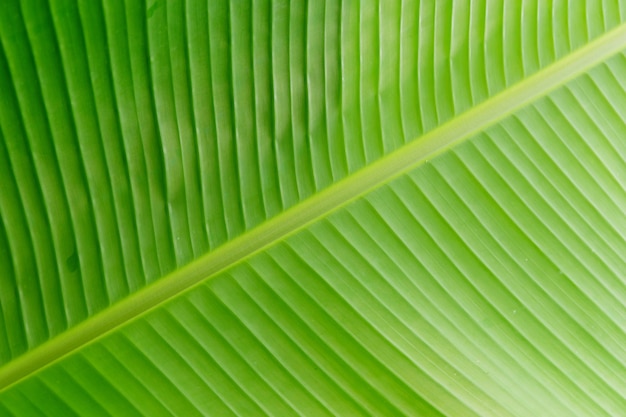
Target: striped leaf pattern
200,214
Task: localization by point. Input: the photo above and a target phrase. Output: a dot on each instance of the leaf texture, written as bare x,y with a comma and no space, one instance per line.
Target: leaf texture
139,137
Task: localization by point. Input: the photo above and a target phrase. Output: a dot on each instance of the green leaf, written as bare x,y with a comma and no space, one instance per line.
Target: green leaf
323,208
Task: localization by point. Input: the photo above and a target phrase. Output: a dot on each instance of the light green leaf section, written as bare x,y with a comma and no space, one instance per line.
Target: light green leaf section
352,272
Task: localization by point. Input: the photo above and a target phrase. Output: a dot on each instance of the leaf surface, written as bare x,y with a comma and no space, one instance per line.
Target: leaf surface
406,208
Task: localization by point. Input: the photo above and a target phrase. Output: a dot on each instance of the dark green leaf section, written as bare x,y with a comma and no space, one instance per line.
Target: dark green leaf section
489,281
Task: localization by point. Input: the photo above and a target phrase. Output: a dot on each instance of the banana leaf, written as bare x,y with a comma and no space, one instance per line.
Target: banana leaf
328,207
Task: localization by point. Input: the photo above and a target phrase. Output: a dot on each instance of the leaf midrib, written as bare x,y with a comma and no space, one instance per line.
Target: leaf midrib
316,207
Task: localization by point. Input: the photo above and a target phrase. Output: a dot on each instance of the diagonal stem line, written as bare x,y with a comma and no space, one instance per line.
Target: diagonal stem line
316,207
